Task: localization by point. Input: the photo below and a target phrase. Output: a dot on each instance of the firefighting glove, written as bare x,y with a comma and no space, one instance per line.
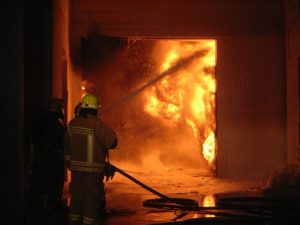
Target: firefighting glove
109,171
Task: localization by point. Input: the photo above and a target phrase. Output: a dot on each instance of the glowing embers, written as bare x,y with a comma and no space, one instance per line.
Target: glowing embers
187,96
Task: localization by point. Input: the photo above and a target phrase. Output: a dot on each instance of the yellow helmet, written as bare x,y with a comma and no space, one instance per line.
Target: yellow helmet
89,101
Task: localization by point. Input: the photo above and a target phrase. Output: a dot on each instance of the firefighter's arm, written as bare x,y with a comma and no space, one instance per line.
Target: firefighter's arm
107,136
110,138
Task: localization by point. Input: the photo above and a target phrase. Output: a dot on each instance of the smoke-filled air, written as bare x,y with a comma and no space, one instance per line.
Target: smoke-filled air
159,96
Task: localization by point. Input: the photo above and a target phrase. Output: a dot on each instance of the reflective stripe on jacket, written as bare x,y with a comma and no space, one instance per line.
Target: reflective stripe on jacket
88,140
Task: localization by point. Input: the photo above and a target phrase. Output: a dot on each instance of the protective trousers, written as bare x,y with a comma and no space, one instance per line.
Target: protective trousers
53,177
85,190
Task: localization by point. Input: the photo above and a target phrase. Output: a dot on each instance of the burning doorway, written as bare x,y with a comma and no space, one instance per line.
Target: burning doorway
159,95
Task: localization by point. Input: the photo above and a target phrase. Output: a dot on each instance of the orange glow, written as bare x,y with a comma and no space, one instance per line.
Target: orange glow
86,87
188,95
83,90
209,201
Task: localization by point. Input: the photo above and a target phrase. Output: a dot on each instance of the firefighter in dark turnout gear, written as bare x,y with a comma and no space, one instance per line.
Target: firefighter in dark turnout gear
49,166
87,142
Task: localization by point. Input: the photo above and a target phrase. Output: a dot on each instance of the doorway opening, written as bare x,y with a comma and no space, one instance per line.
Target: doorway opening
159,96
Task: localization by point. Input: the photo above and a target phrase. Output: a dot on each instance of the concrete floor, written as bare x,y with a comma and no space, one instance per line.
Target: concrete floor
125,198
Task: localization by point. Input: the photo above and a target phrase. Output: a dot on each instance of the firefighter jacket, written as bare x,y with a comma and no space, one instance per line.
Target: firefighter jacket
87,142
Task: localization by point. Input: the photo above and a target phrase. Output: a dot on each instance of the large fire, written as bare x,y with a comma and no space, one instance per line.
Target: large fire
187,95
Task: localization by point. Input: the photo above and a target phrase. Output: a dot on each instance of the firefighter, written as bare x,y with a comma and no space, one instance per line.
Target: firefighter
49,163
88,140
108,174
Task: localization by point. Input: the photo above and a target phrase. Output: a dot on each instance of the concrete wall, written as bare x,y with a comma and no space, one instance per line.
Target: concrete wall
60,56
292,26
250,106
250,69
60,45
178,17
37,61
66,81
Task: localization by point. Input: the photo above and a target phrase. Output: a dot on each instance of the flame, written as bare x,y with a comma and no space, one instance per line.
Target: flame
189,94
209,148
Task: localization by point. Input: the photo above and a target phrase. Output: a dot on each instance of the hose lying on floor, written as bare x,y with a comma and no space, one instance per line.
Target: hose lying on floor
181,203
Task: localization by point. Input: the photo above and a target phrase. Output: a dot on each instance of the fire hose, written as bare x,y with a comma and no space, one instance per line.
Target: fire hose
174,203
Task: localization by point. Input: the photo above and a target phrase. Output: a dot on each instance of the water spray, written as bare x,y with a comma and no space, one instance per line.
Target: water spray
181,64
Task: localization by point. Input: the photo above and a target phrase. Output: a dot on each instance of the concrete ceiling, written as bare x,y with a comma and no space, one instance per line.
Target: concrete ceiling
178,18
